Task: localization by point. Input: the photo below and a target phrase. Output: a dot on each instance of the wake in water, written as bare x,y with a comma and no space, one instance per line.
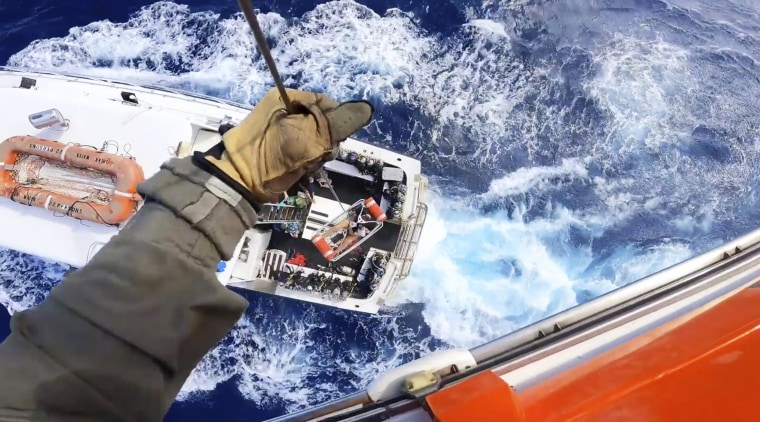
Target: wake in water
573,148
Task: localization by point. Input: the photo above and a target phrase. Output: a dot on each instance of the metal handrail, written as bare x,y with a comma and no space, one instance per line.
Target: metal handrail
409,239
411,231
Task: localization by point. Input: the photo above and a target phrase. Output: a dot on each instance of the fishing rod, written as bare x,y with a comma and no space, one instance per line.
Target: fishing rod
250,16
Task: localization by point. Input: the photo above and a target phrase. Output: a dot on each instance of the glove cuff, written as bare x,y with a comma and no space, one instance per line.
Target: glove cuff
210,160
201,198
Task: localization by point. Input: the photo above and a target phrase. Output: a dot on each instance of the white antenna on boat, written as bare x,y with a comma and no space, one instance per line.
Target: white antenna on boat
250,16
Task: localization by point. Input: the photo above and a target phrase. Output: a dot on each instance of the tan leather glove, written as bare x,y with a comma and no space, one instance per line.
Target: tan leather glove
270,151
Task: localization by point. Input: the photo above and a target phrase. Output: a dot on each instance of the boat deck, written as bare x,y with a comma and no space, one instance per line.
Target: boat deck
349,189
385,239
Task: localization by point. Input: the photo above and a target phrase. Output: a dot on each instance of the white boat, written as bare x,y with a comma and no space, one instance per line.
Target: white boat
55,125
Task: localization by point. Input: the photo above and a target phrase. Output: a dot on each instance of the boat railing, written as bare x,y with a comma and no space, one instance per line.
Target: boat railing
409,239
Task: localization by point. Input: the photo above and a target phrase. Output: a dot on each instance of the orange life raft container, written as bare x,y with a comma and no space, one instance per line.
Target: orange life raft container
323,247
121,205
374,210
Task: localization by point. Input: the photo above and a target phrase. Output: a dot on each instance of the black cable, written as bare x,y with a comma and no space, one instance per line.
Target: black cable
250,16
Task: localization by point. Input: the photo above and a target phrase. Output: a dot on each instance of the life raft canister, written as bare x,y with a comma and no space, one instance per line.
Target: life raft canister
321,244
374,210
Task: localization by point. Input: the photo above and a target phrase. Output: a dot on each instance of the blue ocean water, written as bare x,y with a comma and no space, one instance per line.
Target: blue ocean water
572,147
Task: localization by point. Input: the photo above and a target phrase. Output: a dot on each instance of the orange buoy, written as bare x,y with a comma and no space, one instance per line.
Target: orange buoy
375,211
121,205
321,244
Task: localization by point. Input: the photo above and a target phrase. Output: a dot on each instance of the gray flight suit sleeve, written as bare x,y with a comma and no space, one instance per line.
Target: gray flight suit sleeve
116,340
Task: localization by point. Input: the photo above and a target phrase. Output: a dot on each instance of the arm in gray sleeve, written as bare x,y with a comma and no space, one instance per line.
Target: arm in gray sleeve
116,340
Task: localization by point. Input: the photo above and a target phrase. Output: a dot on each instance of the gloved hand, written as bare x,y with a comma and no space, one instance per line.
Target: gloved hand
270,151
